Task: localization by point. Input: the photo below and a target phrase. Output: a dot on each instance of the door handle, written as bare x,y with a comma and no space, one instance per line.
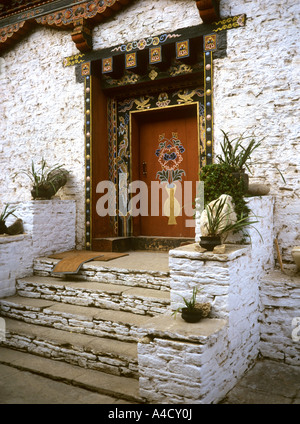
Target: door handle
145,168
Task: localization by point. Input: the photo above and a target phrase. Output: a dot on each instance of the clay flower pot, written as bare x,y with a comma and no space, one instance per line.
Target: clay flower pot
209,242
191,315
201,310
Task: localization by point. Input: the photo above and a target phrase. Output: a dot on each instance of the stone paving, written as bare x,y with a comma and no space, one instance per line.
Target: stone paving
268,382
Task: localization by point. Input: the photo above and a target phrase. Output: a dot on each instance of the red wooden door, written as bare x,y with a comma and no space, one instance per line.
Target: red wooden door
165,151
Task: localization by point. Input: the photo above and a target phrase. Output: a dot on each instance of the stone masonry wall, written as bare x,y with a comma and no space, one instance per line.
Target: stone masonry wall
280,317
176,372
255,90
15,261
49,227
51,224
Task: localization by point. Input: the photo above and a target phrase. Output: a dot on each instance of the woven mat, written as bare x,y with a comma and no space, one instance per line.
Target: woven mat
71,261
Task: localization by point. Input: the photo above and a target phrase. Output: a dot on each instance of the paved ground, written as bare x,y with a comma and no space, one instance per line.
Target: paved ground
269,382
22,387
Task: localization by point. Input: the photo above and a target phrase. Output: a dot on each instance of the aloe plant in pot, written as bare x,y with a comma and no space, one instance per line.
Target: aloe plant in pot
218,220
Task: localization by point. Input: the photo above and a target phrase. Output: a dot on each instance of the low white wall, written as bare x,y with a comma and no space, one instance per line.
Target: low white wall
49,227
15,261
51,224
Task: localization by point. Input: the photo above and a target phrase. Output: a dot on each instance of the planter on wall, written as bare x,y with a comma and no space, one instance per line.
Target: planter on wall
201,310
210,242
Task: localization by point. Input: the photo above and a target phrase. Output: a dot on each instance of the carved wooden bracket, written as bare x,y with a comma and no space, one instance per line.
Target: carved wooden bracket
82,36
208,10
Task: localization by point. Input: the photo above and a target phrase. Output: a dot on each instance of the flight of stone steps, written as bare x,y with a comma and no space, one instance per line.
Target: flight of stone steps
83,329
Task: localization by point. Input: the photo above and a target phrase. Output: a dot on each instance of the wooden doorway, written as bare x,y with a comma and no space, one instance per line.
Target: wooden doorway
165,151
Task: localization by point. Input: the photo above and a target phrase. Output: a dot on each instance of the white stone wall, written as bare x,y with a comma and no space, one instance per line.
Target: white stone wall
49,227
257,90
15,261
41,115
51,224
280,317
144,18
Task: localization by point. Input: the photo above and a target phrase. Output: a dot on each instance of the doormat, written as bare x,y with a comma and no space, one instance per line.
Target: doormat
71,261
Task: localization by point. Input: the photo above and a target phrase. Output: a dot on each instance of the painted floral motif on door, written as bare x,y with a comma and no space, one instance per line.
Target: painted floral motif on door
169,156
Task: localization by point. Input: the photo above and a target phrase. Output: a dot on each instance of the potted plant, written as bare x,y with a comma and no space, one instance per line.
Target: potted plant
46,181
237,156
193,311
3,217
219,219
218,179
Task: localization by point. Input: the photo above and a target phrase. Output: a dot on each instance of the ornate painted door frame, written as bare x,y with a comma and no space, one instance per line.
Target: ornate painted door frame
120,132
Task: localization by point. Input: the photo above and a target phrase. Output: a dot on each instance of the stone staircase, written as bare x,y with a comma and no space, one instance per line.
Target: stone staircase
84,329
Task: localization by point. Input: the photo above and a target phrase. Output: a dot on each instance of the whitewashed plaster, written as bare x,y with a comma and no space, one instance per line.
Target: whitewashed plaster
255,90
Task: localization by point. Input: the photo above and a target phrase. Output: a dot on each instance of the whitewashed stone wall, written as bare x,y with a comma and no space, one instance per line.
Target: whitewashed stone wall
184,363
51,224
41,115
144,18
15,261
49,227
255,90
280,317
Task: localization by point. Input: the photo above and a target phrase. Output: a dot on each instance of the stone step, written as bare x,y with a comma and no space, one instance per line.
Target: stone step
137,269
107,323
103,295
95,381
106,355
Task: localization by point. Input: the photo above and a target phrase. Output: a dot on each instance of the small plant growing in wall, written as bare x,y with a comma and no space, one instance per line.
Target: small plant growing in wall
6,212
46,181
193,311
15,228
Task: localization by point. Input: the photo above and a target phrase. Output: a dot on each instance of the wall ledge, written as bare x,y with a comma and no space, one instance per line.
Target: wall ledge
192,251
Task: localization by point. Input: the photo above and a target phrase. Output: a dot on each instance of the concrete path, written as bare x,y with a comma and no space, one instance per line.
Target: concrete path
268,382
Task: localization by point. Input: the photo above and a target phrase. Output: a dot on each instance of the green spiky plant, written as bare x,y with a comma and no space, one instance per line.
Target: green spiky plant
3,217
218,221
189,304
235,154
45,179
